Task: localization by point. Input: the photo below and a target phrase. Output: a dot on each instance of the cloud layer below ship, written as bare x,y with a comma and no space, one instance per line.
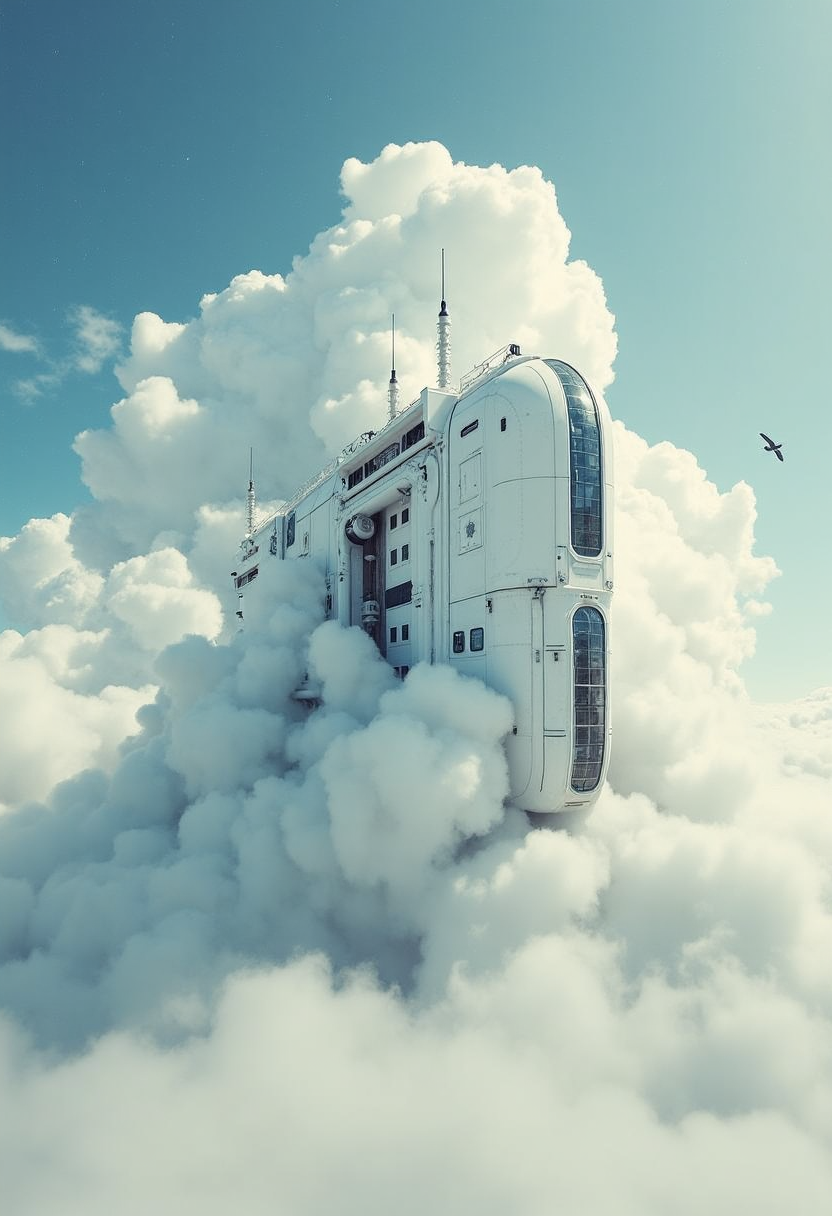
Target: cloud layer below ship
256,958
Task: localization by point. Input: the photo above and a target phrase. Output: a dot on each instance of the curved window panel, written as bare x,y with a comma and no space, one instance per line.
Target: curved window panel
585,471
590,698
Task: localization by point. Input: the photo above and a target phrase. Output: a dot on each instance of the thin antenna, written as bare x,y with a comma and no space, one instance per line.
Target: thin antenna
250,500
443,346
393,386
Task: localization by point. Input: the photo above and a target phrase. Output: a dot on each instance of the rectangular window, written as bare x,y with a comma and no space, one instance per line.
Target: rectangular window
406,515
394,519
405,632
394,556
383,458
477,639
246,578
466,430
354,478
402,594
413,436
405,552
459,641
393,634
290,531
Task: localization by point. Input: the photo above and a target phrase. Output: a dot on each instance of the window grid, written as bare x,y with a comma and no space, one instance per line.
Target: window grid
584,461
590,694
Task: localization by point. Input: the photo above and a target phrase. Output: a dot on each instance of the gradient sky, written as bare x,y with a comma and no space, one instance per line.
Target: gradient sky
150,152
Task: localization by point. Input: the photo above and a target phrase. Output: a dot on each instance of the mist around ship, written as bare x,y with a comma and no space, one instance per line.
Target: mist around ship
258,958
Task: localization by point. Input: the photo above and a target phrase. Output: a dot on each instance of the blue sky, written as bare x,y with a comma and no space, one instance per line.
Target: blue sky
152,151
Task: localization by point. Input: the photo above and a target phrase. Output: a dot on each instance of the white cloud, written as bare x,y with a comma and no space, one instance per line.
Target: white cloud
253,939
97,338
17,343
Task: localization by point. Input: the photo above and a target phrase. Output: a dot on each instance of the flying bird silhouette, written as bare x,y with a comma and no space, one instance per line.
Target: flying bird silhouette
771,446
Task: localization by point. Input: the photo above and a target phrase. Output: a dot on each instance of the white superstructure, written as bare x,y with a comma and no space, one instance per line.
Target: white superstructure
475,529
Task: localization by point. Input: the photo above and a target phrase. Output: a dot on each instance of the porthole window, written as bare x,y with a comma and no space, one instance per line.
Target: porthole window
590,698
477,639
459,641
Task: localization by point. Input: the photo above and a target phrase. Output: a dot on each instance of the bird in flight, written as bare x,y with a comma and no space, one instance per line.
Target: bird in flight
771,446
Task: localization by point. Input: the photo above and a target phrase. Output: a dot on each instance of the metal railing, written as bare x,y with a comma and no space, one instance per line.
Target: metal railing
510,351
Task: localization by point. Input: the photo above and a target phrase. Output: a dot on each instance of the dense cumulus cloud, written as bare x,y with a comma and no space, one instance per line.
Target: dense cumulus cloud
258,957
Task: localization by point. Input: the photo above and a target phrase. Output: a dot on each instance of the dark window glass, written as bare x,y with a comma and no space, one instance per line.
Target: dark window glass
248,577
290,531
586,474
589,676
413,436
402,594
394,519
502,424
405,670
406,515
354,478
393,634
405,552
472,426
383,458
477,639
394,556
459,641
405,632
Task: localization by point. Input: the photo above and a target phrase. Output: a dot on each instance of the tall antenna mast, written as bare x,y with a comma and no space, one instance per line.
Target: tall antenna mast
393,386
443,328
250,501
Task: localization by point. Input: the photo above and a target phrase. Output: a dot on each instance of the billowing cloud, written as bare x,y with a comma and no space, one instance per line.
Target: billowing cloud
258,956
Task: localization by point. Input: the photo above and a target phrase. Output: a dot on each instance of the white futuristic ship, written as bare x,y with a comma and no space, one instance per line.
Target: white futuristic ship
475,529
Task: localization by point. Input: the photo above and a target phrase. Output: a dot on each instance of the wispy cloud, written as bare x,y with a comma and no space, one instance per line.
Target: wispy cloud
32,387
97,338
16,343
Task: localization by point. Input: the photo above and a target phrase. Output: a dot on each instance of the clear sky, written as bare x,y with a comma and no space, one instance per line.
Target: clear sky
151,151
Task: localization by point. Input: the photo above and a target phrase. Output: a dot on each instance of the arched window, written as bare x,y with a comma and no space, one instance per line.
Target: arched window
586,478
589,698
